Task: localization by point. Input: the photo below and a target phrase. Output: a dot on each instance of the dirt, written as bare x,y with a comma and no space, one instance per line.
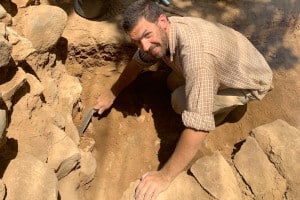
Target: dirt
140,132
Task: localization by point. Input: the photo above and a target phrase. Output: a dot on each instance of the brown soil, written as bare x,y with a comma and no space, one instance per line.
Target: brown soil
140,131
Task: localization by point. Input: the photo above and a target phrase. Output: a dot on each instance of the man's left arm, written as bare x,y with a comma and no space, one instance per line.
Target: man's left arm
155,182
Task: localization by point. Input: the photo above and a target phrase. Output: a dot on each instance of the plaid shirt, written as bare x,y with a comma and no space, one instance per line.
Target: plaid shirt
210,56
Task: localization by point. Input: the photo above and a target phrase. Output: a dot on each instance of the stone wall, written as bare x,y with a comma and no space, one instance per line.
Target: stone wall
39,143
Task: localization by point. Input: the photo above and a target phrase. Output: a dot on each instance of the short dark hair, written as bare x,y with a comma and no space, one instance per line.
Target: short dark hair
141,8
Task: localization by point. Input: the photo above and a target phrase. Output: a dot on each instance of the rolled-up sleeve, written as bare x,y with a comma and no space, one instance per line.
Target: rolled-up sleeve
200,90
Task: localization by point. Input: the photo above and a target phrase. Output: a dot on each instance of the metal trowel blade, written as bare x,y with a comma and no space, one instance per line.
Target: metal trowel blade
86,120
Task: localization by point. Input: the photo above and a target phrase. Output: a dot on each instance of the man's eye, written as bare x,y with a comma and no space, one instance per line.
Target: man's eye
147,35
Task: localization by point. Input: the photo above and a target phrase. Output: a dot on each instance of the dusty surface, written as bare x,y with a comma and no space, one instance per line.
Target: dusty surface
140,132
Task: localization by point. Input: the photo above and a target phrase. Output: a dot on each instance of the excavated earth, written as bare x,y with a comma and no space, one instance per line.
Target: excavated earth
255,154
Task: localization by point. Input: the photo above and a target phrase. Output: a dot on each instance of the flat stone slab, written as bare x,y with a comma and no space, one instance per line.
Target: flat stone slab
258,172
281,142
217,177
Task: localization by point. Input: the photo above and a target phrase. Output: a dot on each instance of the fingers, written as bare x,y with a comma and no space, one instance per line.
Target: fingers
146,189
145,192
144,175
100,110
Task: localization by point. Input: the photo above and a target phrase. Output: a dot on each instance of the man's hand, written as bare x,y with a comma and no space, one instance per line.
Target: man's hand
104,101
151,184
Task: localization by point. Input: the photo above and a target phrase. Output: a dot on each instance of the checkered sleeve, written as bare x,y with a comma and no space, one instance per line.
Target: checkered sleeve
200,89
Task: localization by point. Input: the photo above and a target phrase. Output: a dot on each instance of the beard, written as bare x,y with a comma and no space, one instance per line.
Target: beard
163,45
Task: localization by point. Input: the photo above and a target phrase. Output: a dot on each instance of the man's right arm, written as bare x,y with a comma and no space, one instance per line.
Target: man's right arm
129,74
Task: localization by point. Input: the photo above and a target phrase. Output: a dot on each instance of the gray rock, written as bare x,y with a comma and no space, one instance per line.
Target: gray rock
3,121
281,142
258,172
216,176
44,26
28,178
5,51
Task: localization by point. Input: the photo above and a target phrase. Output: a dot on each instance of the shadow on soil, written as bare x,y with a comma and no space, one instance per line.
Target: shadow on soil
150,92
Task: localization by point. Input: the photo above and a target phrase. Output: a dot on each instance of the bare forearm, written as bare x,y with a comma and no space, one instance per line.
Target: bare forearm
131,71
187,147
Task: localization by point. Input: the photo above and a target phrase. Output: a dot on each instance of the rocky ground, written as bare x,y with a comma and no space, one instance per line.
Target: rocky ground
54,64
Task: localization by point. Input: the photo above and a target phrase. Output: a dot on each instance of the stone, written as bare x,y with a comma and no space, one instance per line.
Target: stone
216,176
70,90
44,26
63,160
51,89
28,178
36,88
191,189
258,172
69,186
7,20
9,88
22,47
71,130
3,12
87,144
3,32
5,51
88,167
281,142
182,187
3,124
2,190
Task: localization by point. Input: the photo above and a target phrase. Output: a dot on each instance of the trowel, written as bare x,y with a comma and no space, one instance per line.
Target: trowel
86,120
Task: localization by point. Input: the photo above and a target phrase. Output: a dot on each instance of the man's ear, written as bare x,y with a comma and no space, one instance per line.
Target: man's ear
163,21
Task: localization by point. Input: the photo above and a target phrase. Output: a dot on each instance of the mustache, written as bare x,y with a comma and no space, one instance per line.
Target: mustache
153,46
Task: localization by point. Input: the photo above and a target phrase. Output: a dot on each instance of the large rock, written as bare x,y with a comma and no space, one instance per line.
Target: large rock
22,47
64,155
217,177
3,123
281,142
8,89
28,178
69,186
3,32
2,12
183,187
44,25
258,172
88,167
5,51
2,190
69,92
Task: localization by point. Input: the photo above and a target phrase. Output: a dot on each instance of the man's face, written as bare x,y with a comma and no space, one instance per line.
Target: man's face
150,37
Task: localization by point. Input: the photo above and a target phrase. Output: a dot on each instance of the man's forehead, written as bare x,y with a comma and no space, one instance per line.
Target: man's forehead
142,26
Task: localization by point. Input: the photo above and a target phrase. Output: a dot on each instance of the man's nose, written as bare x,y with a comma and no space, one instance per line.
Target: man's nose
145,44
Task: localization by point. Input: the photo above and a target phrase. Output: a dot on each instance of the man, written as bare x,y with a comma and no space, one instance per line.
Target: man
219,67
